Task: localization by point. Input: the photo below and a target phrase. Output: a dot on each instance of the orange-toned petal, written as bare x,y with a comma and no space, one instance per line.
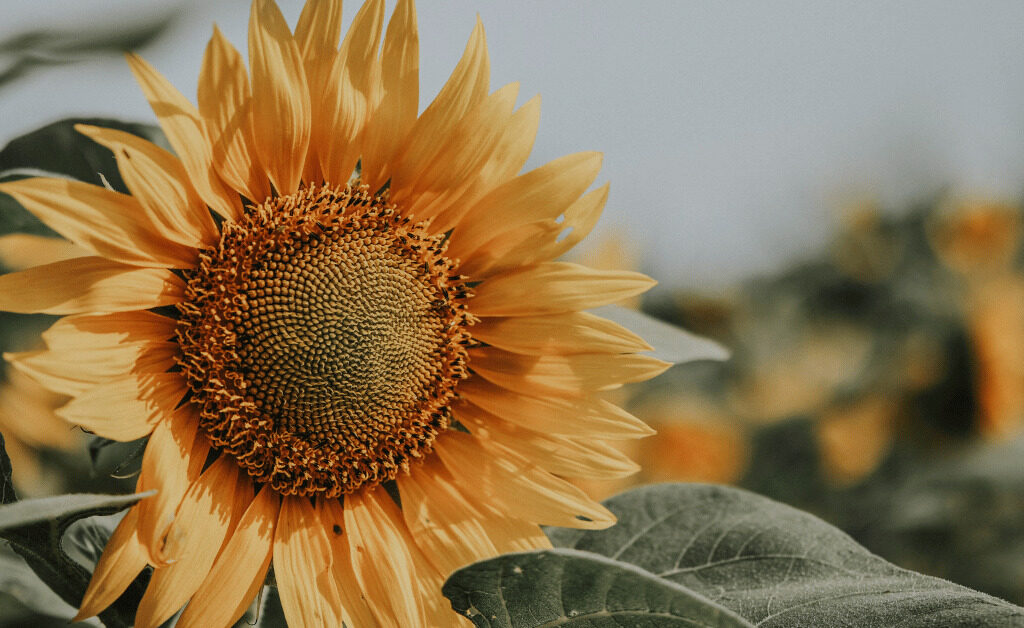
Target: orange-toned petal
24,250
593,417
579,219
280,97
225,104
88,284
354,609
108,223
302,566
185,131
542,193
466,87
554,287
73,372
86,331
240,569
395,114
504,162
572,332
208,513
348,94
158,180
381,558
317,34
458,156
171,463
517,487
517,247
573,375
537,241
581,457
448,529
127,408
122,560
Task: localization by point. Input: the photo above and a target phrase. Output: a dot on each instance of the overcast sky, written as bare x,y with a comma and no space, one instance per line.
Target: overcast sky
733,132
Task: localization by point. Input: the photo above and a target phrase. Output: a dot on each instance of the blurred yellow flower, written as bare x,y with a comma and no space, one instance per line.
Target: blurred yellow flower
370,320
27,418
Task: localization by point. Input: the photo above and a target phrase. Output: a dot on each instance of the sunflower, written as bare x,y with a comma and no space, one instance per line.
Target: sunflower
339,325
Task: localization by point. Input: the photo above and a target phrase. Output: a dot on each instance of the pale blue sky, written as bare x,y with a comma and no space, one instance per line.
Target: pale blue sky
733,132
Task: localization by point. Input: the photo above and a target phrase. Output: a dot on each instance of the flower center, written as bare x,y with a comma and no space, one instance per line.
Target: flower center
323,338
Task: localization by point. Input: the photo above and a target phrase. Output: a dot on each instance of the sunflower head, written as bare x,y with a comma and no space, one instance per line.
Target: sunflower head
339,323
323,339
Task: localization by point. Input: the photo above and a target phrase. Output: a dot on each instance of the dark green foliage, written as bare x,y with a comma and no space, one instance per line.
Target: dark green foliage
726,548
35,529
59,150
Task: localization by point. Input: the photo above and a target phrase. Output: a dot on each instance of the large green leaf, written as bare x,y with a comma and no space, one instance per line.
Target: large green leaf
58,150
35,529
565,587
771,564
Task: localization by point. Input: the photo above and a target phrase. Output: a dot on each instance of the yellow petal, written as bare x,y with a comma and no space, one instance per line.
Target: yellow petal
105,222
517,247
571,375
537,241
73,372
127,408
24,250
572,332
517,487
88,284
205,518
578,221
466,87
544,192
348,94
225,104
171,463
448,529
354,610
158,180
302,566
580,457
185,131
240,569
381,558
317,35
591,417
554,287
317,32
395,114
458,156
85,331
504,162
122,560
280,107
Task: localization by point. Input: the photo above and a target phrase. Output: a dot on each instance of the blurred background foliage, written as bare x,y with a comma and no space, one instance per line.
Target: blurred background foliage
879,385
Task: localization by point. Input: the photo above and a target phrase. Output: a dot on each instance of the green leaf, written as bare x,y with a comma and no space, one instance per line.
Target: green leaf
57,150
565,587
32,511
35,529
773,565
18,581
